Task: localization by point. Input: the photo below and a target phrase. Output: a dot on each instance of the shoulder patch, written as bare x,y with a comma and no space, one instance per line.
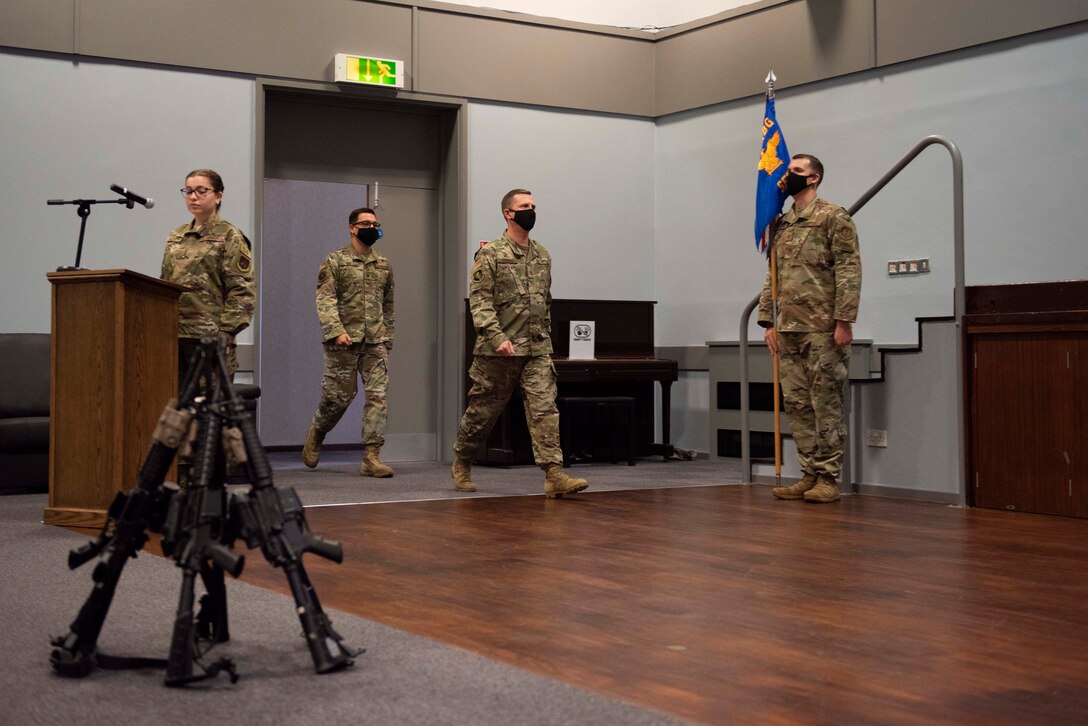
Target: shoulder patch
245,259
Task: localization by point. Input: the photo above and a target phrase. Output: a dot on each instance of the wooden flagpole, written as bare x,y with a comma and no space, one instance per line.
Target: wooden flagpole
771,78
774,358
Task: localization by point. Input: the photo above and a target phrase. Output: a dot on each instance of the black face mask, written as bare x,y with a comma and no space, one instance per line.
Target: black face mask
795,183
525,218
368,235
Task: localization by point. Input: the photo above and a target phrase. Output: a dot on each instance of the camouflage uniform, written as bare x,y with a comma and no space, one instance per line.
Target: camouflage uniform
215,263
510,299
355,296
819,282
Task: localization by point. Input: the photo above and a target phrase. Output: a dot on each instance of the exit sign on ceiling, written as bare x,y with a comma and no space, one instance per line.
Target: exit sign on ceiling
371,71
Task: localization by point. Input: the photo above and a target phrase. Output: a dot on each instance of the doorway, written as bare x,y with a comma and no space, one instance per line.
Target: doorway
325,154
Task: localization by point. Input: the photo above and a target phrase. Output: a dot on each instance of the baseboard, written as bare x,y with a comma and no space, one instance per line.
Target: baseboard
398,447
877,490
918,495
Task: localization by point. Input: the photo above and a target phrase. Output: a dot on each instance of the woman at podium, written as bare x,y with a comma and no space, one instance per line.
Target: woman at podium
212,259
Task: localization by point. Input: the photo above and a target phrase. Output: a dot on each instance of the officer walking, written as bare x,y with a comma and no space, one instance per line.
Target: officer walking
355,307
510,299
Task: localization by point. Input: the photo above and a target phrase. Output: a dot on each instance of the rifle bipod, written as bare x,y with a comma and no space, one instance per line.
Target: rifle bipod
199,524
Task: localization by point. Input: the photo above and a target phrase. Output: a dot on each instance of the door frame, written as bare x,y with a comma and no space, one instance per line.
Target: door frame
453,226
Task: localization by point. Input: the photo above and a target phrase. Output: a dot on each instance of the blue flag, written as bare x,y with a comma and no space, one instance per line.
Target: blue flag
774,162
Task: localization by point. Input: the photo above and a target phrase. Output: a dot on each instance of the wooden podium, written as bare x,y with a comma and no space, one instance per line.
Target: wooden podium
114,367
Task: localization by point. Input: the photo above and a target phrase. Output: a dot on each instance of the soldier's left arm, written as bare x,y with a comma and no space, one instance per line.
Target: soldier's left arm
548,299
844,249
239,293
387,309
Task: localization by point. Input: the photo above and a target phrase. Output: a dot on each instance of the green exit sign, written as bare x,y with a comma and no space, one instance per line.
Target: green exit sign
372,71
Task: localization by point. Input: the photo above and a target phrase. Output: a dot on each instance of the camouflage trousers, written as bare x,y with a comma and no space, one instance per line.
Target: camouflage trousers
340,383
493,382
813,373
186,348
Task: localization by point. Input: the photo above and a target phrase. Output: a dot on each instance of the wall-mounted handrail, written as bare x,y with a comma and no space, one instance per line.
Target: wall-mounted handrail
958,295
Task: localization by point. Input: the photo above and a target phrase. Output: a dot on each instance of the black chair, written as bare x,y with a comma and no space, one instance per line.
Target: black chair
24,411
616,410
250,393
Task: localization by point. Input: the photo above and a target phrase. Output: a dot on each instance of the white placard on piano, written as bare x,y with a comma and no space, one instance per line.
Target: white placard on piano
582,336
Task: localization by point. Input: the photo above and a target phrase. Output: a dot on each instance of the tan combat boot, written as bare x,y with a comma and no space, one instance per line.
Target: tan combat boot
311,450
462,475
795,491
826,490
557,483
373,466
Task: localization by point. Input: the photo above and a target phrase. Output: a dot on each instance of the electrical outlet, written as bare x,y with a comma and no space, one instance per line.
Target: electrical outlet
876,437
908,267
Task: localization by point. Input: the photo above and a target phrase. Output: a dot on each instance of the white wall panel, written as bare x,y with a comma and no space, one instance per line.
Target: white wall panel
592,178
73,128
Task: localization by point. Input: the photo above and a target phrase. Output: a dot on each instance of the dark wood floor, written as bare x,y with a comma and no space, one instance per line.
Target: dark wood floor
722,605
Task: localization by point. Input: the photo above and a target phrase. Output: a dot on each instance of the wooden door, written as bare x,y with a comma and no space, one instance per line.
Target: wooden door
1028,445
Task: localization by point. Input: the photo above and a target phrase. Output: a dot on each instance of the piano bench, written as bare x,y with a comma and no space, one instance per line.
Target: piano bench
617,409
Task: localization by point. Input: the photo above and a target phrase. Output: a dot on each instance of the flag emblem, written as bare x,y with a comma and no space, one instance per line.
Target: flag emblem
774,161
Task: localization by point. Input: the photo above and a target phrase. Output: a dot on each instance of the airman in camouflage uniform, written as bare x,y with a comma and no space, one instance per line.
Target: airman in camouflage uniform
211,258
819,287
355,307
510,300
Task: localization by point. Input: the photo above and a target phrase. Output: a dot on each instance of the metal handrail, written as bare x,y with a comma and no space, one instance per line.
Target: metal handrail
958,295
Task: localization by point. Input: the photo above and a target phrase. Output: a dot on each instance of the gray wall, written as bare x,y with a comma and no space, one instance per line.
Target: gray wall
917,405
72,128
1007,106
592,179
487,54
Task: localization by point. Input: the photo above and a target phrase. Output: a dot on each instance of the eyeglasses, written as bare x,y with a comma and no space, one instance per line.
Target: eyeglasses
198,192
368,225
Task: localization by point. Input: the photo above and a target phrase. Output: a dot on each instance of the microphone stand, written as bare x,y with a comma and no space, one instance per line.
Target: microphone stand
84,211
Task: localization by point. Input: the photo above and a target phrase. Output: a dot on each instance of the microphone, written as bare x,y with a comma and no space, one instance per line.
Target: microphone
132,196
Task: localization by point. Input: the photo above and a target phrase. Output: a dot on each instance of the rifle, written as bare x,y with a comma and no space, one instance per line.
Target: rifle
196,533
198,527
131,515
273,519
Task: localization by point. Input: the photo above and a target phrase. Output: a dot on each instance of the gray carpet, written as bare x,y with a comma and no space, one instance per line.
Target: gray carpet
401,679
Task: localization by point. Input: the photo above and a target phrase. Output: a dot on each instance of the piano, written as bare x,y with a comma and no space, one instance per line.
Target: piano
624,366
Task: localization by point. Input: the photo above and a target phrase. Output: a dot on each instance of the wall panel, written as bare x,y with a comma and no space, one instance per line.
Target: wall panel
802,41
262,37
503,60
488,54
915,29
40,25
